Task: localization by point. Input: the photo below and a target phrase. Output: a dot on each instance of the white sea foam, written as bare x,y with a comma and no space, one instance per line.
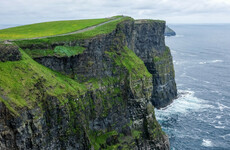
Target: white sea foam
227,136
218,117
179,62
207,143
216,61
206,82
210,61
219,127
185,103
221,107
173,51
203,62
217,92
185,75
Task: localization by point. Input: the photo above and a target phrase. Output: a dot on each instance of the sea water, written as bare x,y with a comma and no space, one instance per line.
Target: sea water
199,119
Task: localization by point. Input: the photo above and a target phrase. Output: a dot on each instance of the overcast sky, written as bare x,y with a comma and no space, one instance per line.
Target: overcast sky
173,11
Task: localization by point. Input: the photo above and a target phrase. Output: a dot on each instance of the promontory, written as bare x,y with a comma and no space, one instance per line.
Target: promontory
85,85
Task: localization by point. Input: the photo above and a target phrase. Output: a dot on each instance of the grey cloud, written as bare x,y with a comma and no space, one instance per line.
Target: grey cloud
31,11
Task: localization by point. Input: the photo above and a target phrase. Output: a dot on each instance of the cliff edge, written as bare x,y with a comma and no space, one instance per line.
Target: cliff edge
87,92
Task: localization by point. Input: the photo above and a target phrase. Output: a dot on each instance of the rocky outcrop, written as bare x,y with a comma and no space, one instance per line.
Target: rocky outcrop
114,108
149,44
169,32
145,38
9,52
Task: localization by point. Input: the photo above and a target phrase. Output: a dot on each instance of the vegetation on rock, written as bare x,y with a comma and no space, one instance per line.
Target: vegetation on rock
59,51
19,81
131,62
108,108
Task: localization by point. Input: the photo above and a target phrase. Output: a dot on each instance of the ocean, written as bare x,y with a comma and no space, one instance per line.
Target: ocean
199,119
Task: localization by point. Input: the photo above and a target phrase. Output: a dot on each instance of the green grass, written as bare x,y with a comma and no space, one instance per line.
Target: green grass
48,28
136,134
98,138
165,55
157,21
104,29
23,82
68,51
131,62
59,51
40,52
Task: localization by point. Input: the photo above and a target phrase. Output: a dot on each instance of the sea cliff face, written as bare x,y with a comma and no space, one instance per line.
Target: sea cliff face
149,45
104,97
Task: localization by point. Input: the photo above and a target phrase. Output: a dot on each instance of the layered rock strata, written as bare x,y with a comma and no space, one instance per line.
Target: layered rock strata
106,97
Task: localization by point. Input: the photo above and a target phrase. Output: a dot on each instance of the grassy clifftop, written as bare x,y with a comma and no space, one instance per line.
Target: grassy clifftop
48,28
103,29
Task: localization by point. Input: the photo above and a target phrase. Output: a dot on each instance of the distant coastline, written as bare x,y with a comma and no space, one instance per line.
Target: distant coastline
5,26
169,31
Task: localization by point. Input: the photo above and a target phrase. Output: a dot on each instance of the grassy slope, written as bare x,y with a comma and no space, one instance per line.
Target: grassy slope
128,59
104,29
48,28
18,82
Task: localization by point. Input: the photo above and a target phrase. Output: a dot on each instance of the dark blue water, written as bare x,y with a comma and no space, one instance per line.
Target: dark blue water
200,118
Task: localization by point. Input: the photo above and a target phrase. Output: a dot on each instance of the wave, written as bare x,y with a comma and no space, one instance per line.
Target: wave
216,61
218,117
227,136
219,127
187,76
203,62
207,143
206,82
211,61
179,62
221,107
185,103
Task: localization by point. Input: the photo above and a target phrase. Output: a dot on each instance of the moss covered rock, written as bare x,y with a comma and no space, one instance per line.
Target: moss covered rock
99,98
9,52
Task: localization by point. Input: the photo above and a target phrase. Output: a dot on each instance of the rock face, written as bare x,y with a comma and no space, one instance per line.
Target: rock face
115,109
149,44
9,52
169,32
145,38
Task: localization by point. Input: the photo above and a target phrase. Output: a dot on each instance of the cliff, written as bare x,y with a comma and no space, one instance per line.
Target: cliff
102,96
169,32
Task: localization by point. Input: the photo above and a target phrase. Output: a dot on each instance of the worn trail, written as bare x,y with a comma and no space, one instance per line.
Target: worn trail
75,32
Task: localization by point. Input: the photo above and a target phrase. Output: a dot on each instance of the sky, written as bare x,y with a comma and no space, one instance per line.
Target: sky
173,11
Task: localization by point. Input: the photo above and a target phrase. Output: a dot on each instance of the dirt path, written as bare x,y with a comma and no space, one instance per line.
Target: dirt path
75,32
